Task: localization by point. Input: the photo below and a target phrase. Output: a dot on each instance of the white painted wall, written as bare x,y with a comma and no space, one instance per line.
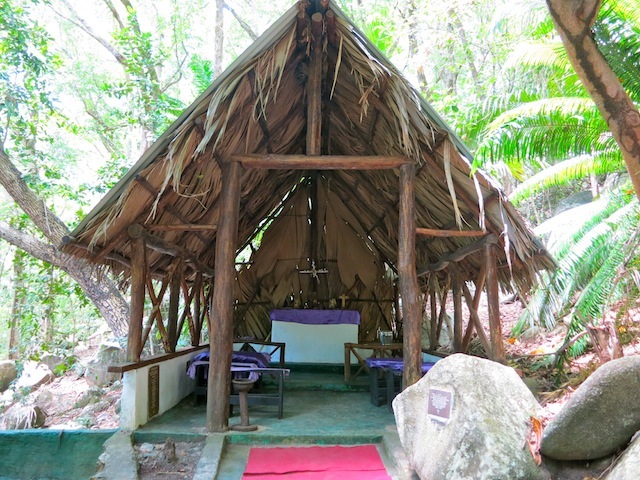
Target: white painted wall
313,343
175,385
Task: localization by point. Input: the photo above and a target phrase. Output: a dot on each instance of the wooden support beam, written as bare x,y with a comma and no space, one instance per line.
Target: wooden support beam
493,300
174,303
409,290
332,35
314,88
194,312
157,305
155,314
321,162
474,319
458,255
168,248
457,313
221,322
432,232
181,227
136,309
433,339
164,204
473,306
443,311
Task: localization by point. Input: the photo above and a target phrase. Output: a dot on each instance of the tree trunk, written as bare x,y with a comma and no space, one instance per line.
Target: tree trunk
16,307
573,20
218,43
50,310
101,291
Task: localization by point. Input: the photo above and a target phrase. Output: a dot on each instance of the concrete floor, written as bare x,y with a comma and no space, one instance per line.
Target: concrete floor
319,409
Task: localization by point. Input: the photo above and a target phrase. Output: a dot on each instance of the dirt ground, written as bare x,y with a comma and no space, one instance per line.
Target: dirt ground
171,460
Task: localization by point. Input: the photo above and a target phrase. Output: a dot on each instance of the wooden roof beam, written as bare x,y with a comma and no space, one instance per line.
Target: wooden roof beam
162,246
321,162
432,232
458,255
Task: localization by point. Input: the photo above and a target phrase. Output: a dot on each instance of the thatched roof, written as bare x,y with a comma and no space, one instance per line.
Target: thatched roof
258,106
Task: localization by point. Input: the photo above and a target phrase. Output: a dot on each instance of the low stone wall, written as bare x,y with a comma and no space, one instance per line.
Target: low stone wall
51,454
174,385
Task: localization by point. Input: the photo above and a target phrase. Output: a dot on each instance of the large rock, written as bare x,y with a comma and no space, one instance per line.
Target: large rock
96,371
34,375
628,466
8,373
600,417
52,361
485,436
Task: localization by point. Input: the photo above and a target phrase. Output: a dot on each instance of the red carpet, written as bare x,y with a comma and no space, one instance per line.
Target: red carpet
315,463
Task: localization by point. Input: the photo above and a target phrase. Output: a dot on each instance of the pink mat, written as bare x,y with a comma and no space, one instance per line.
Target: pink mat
314,463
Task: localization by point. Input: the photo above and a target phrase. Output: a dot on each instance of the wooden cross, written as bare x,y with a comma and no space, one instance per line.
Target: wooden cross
344,299
313,271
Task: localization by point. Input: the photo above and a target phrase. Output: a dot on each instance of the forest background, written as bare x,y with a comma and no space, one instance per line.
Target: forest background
87,85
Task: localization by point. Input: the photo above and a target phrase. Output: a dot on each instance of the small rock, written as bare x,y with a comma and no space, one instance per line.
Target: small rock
34,375
6,399
146,448
22,417
92,395
170,450
8,373
93,408
600,417
70,425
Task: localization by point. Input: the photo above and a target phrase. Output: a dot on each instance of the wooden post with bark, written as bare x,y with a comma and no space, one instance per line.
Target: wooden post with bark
136,310
174,303
409,290
493,300
221,320
457,312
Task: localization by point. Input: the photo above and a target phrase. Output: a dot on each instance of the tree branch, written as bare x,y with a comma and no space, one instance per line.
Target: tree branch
34,247
114,12
84,26
245,26
11,179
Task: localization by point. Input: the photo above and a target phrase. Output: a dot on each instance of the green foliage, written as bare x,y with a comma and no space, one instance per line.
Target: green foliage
202,70
594,270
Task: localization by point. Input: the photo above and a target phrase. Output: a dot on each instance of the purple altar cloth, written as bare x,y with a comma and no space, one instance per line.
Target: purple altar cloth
395,364
316,317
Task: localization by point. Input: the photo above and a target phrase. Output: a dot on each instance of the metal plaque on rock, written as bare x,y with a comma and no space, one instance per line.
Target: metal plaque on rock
154,391
440,405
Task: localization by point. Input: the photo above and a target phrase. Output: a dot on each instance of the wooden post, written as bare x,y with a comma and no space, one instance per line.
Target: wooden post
493,300
174,303
221,321
457,312
433,338
409,291
136,310
314,88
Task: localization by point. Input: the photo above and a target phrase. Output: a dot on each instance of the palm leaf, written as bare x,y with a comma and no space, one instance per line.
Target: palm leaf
563,172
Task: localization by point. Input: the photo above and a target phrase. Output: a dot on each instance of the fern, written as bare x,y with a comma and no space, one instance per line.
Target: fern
583,283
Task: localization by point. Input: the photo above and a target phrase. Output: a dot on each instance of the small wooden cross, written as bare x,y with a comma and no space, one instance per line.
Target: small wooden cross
344,299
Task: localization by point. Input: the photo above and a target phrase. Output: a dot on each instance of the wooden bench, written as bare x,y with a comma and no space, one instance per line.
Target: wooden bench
255,397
